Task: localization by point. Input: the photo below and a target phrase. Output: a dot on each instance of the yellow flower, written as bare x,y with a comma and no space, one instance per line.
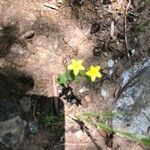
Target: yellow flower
94,72
76,66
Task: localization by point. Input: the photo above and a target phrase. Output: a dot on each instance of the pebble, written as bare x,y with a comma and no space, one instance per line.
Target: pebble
83,89
60,1
110,72
33,127
79,134
104,92
110,63
87,99
105,54
59,89
133,51
136,40
96,8
28,35
106,71
17,49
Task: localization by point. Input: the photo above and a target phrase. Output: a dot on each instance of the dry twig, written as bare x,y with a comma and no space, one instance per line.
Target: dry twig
125,28
34,116
52,6
55,93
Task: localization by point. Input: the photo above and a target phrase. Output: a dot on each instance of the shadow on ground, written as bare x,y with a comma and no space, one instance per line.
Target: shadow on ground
8,36
47,113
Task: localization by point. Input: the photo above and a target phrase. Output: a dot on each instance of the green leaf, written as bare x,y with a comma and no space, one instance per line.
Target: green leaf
105,127
89,114
77,79
128,135
82,73
146,141
69,75
65,78
109,115
62,79
105,115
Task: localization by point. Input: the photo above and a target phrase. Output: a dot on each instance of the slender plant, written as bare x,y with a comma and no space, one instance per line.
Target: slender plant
99,121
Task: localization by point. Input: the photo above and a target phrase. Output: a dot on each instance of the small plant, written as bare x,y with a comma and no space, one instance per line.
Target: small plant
76,70
53,122
143,26
99,120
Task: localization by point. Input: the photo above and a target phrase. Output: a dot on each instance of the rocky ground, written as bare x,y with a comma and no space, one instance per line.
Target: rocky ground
39,38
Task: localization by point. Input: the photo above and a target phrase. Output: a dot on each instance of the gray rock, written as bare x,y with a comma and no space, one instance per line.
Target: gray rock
33,127
12,132
6,110
134,101
17,49
133,71
83,90
110,63
25,103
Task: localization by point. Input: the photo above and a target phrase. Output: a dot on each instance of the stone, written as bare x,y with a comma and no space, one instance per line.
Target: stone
18,53
28,35
133,103
33,127
12,132
17,49
59,89
107,90
106,71
133,71
133,52
79,134
110,63
83,90
6,110
110,71
25,103
104,92
88,99
60,1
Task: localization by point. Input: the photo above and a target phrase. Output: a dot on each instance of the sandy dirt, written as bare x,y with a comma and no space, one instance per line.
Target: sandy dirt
40,42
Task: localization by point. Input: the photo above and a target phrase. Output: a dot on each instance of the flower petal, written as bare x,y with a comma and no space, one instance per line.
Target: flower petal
75,71
93,78
99,75
82,68
70,67
80,61
97,68
73,61
88,73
